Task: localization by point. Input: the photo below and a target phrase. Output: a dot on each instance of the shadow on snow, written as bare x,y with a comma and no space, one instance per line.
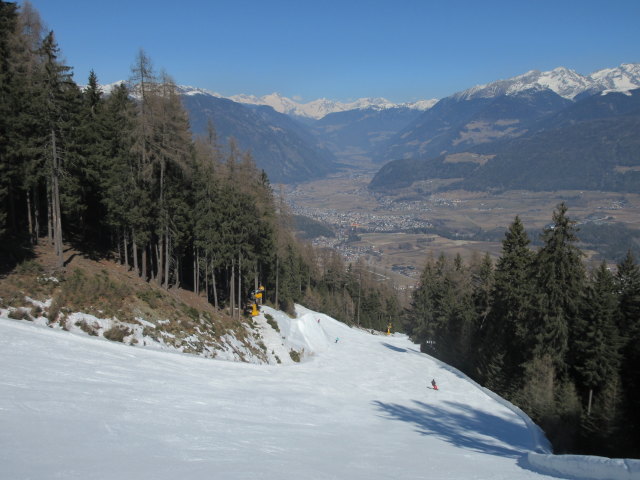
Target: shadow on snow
394,348
463,426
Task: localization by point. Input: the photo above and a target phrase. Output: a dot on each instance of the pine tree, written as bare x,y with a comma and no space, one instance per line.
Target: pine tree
628,287
419,320
482,290
628,284
442,317
28,126
482,287
560,279
208,215
89,167
143,84
118,182
58,106
595,343
506,338
8,23
171,155
21,173
595,357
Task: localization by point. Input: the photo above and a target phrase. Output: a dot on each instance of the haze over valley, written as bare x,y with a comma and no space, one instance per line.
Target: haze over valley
395,183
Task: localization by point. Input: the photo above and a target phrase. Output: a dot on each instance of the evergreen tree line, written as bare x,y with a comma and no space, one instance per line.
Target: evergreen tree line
353,294
120,175
539,328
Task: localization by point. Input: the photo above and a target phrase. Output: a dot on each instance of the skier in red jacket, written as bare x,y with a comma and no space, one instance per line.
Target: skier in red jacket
434,385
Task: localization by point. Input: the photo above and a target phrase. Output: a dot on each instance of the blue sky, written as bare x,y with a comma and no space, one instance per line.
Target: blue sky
403,50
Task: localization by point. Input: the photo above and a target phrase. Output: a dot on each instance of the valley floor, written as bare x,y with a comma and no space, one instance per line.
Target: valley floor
457,222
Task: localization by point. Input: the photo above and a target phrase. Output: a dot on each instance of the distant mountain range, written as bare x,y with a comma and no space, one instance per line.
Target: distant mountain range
315,109
563,81
309,140
322,107
286,149
464,136
538,131
501,109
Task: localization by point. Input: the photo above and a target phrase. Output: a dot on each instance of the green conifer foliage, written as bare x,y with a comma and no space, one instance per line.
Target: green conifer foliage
8,22
419,322
90,154
118,187
560,279
596,342
57,105
506,337
628,288
595,357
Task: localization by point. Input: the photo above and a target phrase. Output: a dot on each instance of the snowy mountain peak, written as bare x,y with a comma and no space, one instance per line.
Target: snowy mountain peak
107,88
421,104
623,78
321,107
565,82
188,90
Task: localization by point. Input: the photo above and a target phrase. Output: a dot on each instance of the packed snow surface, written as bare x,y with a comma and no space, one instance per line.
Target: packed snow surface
358,406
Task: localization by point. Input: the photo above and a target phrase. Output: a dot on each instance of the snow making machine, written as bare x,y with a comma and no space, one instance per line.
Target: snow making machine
256,300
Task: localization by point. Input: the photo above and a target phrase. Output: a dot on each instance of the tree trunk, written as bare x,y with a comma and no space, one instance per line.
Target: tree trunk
239,284
49,213
144,262
134,252
215,289
232,290
206,276
55,197
166,260
163,237
36,215
126,248
12,211
196,271
159,263
277,278
31,237
359,285
256,284
120,257
177,273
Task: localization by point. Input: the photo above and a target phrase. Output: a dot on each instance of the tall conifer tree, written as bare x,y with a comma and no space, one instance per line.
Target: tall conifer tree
58,105
560,280
628,286
507,337
595,340
8,22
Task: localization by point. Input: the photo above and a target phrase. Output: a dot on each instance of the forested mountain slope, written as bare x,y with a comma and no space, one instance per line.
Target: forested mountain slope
455,125
282,147
590,145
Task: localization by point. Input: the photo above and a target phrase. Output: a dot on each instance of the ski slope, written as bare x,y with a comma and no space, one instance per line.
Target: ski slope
76,407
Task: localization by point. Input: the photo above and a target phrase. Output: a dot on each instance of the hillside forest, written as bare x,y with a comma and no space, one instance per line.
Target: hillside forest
121,177
539,328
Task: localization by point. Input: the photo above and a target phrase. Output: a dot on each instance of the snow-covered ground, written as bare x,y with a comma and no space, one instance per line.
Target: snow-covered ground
79,407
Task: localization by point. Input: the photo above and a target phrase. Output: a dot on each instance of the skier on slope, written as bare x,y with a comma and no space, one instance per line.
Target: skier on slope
433,384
